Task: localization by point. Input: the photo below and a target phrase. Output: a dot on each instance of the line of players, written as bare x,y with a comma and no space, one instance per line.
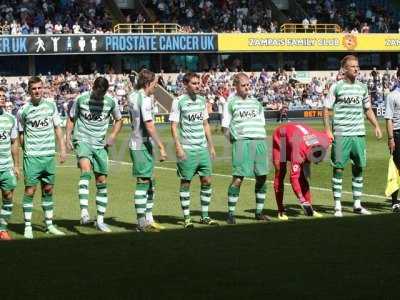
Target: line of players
38,126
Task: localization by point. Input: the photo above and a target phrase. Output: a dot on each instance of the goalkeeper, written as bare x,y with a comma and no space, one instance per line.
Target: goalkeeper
300,145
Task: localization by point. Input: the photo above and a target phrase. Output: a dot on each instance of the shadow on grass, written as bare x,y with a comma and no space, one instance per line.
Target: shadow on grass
178,263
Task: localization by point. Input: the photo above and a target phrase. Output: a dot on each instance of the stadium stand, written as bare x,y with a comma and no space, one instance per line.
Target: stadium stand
357,16
51,17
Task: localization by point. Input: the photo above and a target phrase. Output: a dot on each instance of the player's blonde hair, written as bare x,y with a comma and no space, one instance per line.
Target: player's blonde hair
237,77
345,59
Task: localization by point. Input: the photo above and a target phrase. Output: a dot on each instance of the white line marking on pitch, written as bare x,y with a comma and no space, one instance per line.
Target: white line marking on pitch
229,176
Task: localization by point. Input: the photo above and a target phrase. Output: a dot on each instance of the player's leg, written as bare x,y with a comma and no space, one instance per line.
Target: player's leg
8,182
186,169
32,169
279,187
151,192
143,197
47,179
359,163
148,172
48,208
100,169
340,155
205,170
205,199
101,201
233,197
240,168
84,157
184,197
140,200
260,193
260,163
83,189
27,207
279,160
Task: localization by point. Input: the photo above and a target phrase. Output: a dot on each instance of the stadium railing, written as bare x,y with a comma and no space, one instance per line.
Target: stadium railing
147,28
318,28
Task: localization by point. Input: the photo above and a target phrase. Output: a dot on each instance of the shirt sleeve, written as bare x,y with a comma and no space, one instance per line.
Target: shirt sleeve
14,130
366,99
175,114
330,98
295,173
205,113
147,109
262,116
226,116
116,113
73,111
56,117
389,107
20,121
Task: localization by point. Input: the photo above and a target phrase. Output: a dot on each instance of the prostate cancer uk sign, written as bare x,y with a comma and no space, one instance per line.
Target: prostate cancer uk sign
107,43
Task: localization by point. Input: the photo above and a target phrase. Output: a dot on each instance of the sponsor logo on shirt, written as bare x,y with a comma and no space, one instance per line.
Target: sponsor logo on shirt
195,116
3,135
39,123
247,113
93,116
350,100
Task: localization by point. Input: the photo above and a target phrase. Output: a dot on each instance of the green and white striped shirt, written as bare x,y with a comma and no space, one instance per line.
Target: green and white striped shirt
8,132
92,118
37,122
190,115
244,118
348,101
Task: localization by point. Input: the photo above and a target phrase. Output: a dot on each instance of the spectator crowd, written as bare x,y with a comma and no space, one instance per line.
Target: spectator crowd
53,17
282,88
354,16
275,90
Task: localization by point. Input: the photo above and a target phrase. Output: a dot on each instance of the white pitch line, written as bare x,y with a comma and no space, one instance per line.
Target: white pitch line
287,184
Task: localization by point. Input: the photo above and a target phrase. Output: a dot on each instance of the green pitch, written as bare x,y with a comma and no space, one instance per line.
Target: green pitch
354,256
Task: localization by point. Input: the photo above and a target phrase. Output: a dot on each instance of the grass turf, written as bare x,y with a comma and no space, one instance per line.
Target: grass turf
350,257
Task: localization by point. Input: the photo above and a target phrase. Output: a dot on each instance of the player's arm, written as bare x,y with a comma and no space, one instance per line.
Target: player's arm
207,132
178,146
116,128
59,135
61,144
69,127
226,120
117,125
369,113
389,109
174,118
146,110
20,128
15,149
326,111
152,131
295,173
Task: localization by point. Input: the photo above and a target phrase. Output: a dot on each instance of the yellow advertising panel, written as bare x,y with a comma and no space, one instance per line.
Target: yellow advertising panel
307,42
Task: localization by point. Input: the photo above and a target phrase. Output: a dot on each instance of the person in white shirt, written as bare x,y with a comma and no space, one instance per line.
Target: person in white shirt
76,28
